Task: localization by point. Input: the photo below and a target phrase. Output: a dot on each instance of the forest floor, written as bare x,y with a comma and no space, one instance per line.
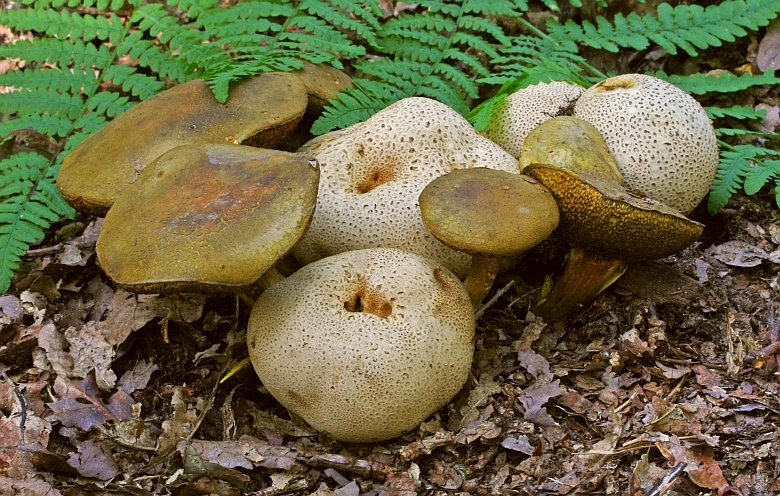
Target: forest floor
667,384
122,392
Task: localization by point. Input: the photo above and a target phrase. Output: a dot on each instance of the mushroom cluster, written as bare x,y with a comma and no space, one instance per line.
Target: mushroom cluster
632,130
376,331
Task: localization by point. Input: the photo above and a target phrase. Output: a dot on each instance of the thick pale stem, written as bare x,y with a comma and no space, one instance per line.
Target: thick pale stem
480,278
584,277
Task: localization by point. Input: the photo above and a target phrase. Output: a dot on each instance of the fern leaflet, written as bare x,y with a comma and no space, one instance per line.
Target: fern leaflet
689,27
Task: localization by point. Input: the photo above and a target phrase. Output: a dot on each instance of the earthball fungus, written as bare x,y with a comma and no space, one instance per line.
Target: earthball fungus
373,172
489,214
519,113
366,344
209,218
661,137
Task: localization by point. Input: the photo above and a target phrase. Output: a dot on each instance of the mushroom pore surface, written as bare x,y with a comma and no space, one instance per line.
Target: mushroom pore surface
373,172
366,344
661,137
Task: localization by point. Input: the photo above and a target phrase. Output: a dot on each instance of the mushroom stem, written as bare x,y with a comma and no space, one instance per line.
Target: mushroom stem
480,278
584,277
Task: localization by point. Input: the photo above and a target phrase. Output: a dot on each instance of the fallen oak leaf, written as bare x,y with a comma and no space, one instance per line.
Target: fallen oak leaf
94,460
138,378
80,407
533,400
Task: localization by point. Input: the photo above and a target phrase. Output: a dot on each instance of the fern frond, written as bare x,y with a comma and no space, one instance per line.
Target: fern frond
262,36
29,203
435,54
740,112
689,27
56,80
736,163
699,84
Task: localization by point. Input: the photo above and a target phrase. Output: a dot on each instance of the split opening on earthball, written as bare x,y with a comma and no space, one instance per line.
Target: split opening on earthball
366,344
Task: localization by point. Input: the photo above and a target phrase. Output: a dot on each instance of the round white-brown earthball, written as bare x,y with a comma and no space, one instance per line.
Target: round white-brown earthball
366,344
661,137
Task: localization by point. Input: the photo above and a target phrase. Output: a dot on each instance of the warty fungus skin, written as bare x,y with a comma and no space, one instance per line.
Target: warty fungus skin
374,171
491,215
522,111
661,137
366,344
607,227
211,218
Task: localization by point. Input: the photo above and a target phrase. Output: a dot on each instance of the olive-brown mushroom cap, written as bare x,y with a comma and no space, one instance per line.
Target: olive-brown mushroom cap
661,137
373,172
322,83
258,112
364,345
208,218
489,212
600,216
519,113
570,143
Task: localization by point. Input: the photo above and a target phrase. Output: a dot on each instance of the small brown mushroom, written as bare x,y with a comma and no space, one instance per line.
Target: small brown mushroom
209,218
366,344
489,214
607,227
570,143
259,112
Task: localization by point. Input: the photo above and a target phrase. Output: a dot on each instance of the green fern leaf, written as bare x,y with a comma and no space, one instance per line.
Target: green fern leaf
737,162
758,176
27,207
740,112
690,27
699,84
430,54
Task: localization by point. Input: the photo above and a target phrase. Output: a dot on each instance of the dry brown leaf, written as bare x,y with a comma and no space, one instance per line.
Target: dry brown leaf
80,407
535,364
533,400
769,48
247,452
94,460
138,378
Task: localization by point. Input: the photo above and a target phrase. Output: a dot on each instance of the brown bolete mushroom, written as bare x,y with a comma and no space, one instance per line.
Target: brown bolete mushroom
489,214
373,172
607,227
661,137
209,218
366,344
517,115
259,112
570,143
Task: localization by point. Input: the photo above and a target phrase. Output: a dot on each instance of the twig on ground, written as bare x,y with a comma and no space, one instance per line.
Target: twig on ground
664,485
492,300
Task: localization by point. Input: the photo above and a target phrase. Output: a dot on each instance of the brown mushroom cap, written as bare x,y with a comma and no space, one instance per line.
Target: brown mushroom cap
208,218
600,216
373,172
259,112
489,212
322,83
366,344
570,143
518,114
661,137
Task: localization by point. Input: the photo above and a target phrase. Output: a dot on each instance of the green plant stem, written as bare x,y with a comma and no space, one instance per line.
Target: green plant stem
541,34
